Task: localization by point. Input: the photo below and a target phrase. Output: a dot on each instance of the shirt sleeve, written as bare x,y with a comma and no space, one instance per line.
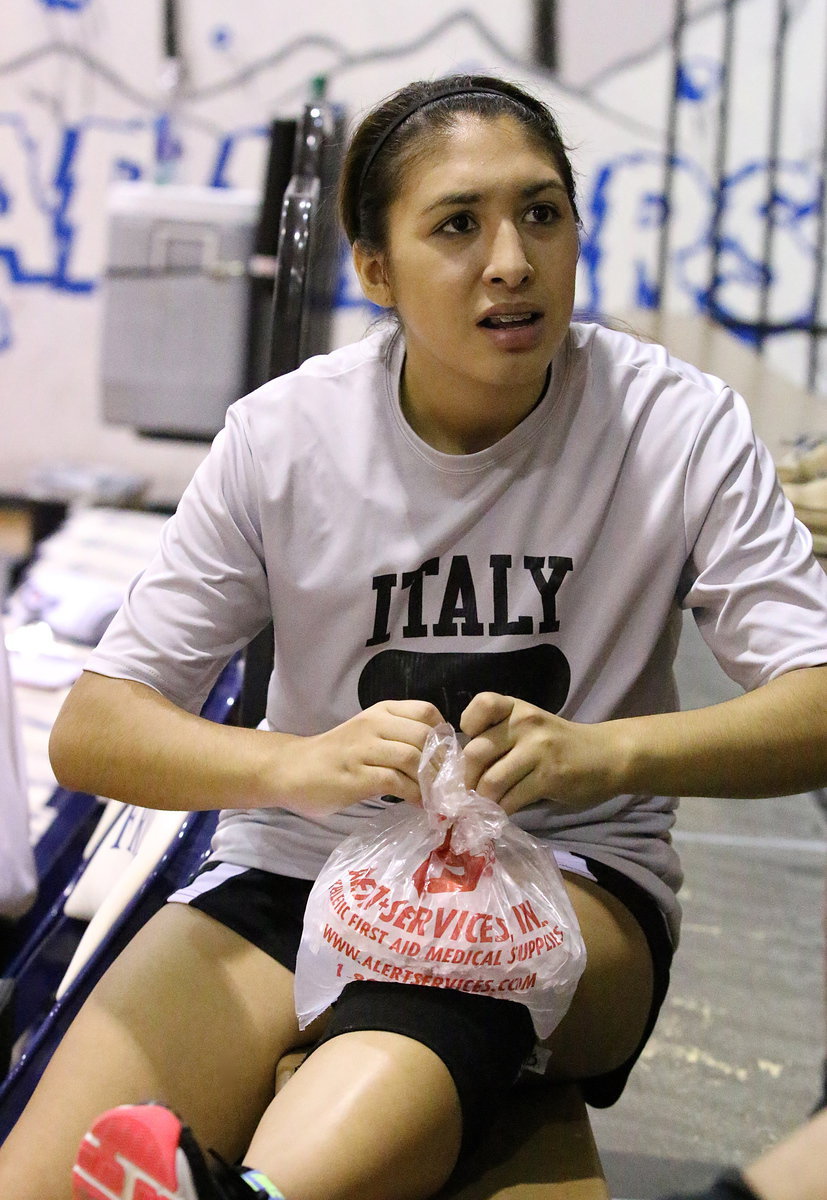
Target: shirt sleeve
204,595
757,593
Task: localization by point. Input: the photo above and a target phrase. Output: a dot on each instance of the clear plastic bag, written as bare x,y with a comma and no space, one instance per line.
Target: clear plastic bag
450,895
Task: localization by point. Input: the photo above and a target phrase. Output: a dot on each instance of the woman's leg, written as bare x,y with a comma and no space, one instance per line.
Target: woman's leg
190,1015
370,1114
608,1014
376,1116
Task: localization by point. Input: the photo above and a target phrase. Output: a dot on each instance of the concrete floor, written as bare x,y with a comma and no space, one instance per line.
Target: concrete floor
735,1059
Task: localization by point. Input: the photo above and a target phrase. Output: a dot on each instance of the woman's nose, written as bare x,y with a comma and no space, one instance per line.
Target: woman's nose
507,261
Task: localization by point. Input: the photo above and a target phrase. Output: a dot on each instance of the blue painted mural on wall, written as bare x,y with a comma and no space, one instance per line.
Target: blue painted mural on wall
52,201
49,201
620,240
71,5
729,220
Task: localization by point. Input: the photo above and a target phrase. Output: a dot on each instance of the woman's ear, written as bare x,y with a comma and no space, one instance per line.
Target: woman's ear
373,276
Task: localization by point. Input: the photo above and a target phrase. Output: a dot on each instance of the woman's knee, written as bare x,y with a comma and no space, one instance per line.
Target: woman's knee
610,1008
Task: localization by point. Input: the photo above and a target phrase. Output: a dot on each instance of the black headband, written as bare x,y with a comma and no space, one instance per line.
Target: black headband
456,90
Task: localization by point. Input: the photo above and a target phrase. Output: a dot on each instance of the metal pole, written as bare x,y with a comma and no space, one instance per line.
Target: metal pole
545,34
721,149
816,330
776,100
170,29
670,148
173,74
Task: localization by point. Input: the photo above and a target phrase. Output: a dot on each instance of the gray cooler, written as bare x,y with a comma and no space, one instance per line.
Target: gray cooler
175,309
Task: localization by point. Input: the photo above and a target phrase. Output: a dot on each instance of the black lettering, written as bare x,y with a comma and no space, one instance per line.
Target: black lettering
501,624
548,588
460,600
383,585
414,581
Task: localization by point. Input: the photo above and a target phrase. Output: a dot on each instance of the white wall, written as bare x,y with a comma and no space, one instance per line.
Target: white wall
594,35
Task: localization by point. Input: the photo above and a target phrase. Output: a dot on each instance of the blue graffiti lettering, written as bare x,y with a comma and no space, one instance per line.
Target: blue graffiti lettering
716,245
49,217
63,228
226,148
624,215
221,37
698,79
742,276
168,148
69,5
51,222
6,339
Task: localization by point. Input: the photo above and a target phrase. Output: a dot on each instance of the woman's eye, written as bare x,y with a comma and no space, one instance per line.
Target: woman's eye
459,223
542,214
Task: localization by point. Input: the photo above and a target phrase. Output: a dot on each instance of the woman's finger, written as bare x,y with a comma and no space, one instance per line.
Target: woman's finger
485,710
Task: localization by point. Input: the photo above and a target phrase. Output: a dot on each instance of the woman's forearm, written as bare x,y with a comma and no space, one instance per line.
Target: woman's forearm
121,739
769,742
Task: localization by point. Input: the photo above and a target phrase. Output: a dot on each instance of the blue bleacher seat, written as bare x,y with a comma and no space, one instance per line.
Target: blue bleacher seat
35,1021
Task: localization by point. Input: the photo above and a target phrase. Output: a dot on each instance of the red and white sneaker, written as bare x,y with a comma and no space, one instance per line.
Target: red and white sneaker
144,1152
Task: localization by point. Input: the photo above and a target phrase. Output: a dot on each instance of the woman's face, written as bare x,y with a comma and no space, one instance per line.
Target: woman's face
480,266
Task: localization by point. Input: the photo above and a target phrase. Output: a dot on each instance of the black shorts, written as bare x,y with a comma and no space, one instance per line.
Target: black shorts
484,1041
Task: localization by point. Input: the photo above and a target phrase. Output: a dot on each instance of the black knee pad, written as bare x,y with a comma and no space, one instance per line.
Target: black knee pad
483,1041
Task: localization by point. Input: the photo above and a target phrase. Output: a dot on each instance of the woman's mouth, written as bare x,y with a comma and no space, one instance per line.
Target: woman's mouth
513,332
510,320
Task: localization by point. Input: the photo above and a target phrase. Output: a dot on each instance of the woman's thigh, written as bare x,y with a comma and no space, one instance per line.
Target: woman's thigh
607,1017
190,1015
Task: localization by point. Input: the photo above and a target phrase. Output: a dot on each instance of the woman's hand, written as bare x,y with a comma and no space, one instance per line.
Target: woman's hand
518,753
375,753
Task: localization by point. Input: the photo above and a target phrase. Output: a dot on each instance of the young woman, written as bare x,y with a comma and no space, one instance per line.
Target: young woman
490,515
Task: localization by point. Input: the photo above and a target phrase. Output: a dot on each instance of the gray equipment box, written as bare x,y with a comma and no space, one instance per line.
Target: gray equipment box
175,306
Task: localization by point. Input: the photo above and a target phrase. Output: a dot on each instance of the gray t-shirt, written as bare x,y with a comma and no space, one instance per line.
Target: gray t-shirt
553,565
